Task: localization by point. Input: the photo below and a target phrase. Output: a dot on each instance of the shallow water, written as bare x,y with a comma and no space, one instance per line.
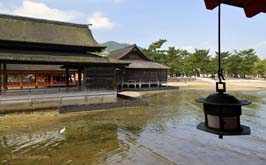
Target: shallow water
163,133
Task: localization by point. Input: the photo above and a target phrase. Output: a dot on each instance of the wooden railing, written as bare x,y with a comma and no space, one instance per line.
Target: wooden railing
34,91
39,84
139,84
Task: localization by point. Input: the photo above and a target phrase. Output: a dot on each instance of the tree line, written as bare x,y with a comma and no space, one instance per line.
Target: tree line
237,64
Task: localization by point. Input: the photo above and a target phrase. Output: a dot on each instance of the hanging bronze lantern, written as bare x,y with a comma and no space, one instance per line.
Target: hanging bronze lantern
222,114
222,111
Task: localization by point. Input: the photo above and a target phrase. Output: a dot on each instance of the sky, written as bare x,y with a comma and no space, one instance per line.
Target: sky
186,24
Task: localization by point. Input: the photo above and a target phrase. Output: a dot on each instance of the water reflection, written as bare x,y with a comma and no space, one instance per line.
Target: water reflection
163,133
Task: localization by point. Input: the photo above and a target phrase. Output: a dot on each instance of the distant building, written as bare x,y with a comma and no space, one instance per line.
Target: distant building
141,72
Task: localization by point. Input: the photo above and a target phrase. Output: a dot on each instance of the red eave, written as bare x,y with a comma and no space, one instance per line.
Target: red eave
251,7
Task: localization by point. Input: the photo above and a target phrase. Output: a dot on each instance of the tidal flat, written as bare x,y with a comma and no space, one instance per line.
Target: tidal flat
162,133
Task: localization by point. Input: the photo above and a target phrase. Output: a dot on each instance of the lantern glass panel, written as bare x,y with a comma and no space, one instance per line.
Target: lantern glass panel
230,123
213,121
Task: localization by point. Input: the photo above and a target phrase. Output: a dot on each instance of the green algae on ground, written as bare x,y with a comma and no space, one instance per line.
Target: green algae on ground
162,133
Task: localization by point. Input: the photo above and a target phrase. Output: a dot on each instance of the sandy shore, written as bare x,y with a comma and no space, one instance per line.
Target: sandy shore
209,84
231,85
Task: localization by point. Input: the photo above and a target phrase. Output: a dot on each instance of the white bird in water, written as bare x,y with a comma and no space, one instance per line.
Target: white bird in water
62,130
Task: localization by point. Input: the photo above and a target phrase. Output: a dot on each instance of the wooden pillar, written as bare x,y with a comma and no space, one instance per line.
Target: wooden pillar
52,80
21,80
72,79
79,78
115,79
1,84
36,80
4,77
85,79
67,79
122,78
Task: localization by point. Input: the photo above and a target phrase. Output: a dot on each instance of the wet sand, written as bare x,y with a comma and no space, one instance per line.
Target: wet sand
208,84
232,85
162,133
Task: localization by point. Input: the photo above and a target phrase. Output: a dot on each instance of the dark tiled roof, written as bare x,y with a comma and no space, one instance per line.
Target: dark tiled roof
137,64
31,30
119,53
41,57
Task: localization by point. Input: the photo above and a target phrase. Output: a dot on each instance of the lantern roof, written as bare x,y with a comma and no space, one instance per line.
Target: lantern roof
251,7
223,99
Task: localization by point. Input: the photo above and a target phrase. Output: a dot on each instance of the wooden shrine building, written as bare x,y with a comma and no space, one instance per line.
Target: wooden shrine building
43,53
141,72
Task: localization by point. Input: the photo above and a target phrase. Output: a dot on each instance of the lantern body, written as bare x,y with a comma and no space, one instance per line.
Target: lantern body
222,115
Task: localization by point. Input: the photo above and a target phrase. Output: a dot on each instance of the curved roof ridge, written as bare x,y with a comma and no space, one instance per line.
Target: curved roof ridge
42,20
39,31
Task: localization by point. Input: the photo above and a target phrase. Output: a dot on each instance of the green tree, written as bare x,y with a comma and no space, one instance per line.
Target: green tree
261,68
249,59
242,63
225,57
155,53
200,61
157,45
234,65
212,66
175,60
188,64
237,64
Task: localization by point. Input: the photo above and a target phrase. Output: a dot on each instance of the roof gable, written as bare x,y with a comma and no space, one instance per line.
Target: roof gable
140,62
125,53
31,30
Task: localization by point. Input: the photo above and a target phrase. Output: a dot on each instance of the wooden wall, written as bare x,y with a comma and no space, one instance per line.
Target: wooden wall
103,78
143,75
133,56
